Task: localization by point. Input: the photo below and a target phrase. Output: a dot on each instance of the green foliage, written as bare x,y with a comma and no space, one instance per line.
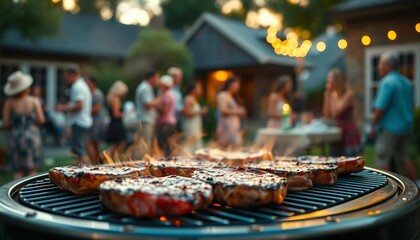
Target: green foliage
312,17
157,49
107,72
183,13
31,18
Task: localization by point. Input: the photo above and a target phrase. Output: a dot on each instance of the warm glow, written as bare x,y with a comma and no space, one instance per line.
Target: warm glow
271,38
286,108
276,43
264,17
392,35
418,27
69,5
131,13
291,36
55,1
106,13
272,30
342,44
232,6
321,46
366,40
163,219
221,75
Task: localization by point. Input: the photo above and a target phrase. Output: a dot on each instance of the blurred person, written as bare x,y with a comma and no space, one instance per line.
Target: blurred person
115,133
96,133
230,113
79,110
166,121
177,75
277,99
50,125
146,104
23,114
339,106
393,117
193,113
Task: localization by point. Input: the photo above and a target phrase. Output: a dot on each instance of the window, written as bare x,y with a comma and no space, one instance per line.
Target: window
409,55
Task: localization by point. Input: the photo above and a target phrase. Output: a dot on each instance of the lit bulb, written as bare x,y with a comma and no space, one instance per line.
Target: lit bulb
392,35
321,46
366,40
342,44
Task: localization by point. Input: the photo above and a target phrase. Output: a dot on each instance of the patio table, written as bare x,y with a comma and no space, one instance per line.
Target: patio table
296,140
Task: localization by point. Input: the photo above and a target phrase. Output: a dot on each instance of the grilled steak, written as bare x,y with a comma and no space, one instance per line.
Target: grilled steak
179,166
153,196
345,164
84,179
237,158
298,177
323,174
244,188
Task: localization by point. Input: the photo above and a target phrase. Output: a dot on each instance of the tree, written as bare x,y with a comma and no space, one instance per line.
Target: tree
31,18
157,49
183,13
311,17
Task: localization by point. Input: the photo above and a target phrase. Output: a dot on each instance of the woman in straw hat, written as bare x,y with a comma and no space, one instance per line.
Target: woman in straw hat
23,114
115,133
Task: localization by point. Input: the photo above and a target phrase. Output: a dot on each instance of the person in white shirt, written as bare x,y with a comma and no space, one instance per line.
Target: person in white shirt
79,112
146,104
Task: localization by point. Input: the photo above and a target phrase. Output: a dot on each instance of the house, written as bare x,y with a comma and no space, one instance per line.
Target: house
83,40
386,25
221,47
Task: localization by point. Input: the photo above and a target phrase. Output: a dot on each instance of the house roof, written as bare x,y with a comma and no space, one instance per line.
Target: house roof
358,8
80,35
251,41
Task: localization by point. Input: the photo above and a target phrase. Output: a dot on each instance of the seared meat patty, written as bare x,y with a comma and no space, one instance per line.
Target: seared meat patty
155,196
84,179
179,166
298,177
236,158
244,188
345,164
323,174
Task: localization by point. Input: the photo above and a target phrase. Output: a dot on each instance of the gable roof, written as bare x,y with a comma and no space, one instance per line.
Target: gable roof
358,8
251,41
80,34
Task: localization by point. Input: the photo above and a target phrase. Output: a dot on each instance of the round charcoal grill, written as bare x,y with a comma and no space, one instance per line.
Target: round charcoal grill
371,204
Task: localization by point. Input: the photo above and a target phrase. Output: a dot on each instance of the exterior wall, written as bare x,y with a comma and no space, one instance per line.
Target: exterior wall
376,27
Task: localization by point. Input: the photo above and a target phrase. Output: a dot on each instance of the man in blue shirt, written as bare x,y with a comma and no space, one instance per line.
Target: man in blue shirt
393,116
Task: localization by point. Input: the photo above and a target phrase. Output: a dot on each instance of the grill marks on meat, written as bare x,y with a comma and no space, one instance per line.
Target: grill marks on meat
298,177
244,188
85,179
153,196
345,165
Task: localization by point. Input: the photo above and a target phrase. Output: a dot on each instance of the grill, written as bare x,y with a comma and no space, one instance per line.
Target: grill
367,201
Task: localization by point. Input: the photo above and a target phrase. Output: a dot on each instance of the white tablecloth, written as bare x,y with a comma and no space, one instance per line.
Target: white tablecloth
296,140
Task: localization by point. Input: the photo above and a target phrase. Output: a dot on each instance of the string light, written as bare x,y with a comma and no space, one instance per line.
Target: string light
366,40
392,35
321,46
342,44
418,27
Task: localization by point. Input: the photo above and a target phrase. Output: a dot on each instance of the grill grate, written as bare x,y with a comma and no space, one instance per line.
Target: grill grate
45,196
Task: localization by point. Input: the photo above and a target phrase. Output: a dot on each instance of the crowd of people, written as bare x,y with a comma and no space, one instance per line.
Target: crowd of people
164,112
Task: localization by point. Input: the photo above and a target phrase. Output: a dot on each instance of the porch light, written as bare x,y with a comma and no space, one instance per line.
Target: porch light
221,75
